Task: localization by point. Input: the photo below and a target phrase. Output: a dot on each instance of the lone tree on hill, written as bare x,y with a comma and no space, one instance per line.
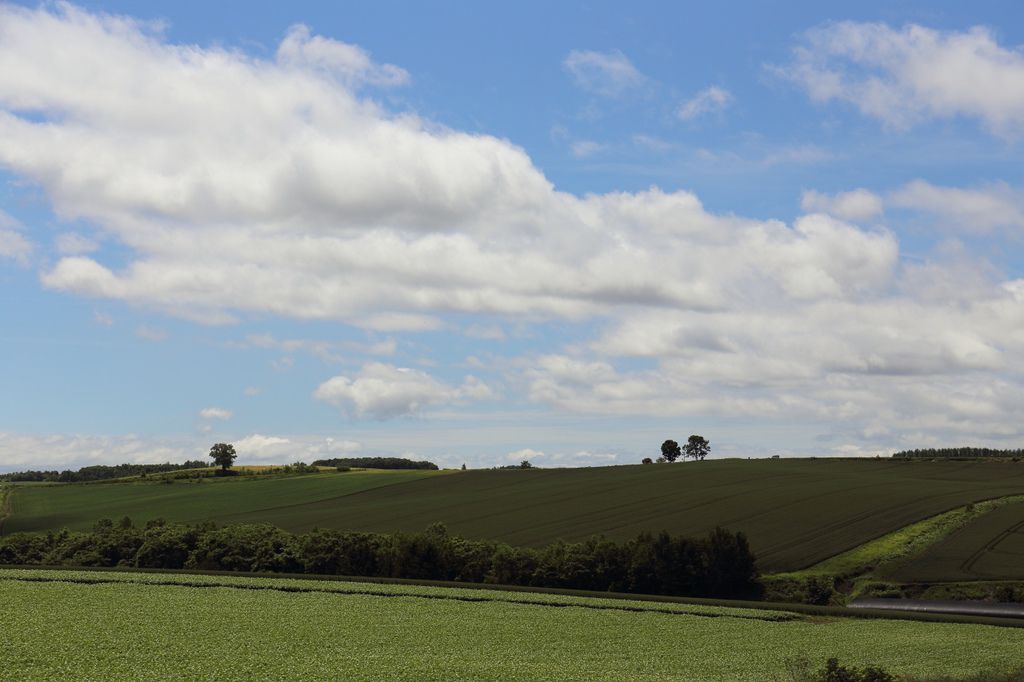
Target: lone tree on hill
697,447
223,455
670,450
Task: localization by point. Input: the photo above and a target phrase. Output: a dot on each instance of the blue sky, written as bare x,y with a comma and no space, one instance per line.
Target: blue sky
480,233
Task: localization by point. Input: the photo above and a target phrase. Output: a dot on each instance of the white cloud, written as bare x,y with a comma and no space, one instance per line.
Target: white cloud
258,447
19,451
525,453
976,210
252,391
856,205
215,413
609,74
300,49
707,101
102,318
384,391
906,75
233,186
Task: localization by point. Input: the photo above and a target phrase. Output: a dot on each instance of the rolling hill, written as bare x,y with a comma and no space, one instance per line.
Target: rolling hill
795,512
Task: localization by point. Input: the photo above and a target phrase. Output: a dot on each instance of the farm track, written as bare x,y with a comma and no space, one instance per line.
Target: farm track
968,565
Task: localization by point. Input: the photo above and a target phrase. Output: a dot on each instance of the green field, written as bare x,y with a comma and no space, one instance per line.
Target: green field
989,548
795,512
229,500
60,629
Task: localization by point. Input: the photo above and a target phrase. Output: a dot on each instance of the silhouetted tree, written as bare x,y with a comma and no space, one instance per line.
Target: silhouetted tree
223,455
670,450
647,460
697,447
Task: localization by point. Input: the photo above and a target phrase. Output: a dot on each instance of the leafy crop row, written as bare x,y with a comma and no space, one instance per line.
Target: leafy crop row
68,630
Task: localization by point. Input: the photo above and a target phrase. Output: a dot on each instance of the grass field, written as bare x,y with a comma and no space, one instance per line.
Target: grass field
135,630
795,512
991,547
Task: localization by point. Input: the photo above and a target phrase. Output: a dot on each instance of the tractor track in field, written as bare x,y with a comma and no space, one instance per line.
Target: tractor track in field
968,565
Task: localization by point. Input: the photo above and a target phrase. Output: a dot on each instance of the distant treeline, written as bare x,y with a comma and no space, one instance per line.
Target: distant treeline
100,472
718,565
374,463
958,453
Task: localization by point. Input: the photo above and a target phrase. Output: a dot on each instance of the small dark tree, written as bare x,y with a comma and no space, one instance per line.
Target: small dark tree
647,460
223,455
697,447
525,464
670,450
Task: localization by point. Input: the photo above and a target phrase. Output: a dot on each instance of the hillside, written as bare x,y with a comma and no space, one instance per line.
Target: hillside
795,512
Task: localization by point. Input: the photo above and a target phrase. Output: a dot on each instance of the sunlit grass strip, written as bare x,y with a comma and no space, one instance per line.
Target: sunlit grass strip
387,590
900,544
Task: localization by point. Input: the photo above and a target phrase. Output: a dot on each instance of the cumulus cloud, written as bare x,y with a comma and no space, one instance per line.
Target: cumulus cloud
855,205
260,447
215,413
384,391
609,74
525,453
233,186
902,76
976,210
301,49
707,101
19,451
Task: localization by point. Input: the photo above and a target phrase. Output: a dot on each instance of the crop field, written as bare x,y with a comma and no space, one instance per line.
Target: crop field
989,548
230,500
795,512
198,627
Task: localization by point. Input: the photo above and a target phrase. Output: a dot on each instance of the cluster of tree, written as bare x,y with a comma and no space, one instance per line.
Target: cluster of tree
718,565
100,472
696,447
375,463
957,453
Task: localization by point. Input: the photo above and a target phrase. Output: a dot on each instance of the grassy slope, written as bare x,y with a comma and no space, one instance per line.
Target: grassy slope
795,512
118,631
990,547
77,507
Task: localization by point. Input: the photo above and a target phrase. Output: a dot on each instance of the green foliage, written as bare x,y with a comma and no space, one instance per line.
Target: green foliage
697,447
834,671
719,565
376,463
99,472
958,453
125,626
670,451
223,455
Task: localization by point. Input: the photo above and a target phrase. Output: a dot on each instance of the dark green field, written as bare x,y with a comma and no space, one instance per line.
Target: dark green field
989,548
795,512
234,500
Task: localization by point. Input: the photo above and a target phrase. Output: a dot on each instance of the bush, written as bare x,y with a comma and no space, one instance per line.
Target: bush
719,565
